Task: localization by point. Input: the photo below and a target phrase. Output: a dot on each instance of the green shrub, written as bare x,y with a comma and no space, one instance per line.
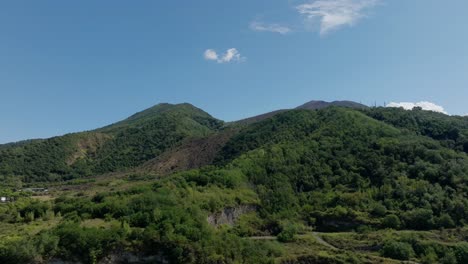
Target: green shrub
429,257
449,258
397,250
288,233
391,221
378,210
419,219
445,221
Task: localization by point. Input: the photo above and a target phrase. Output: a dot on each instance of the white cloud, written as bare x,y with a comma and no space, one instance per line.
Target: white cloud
211,55
334,14
276,28
424,105
231,55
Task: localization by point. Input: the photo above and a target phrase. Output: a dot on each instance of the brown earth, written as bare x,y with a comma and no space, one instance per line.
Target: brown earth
192,154
88,145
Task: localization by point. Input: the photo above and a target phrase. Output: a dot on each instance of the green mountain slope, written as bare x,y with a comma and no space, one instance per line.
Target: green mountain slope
452,131
311,105
315,105
117,147
318,163
392,182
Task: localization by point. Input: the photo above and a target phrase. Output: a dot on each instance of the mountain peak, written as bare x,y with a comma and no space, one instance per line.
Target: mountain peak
157,110
317,104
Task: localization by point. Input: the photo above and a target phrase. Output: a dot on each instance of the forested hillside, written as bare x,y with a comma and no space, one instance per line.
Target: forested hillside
120,146
334,185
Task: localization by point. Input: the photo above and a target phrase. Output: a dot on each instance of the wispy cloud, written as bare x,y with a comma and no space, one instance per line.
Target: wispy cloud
331,15
275,28
231,55
424,105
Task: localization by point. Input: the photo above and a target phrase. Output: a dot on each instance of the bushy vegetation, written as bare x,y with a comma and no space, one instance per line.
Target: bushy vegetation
166,219
397,250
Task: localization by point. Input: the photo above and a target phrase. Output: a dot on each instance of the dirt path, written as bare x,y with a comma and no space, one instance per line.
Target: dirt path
316,236
263,238
320,240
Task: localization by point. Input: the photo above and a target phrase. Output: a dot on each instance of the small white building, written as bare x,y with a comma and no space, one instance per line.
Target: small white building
3,199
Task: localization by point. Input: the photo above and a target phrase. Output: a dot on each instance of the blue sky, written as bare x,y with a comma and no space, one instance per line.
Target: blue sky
69,66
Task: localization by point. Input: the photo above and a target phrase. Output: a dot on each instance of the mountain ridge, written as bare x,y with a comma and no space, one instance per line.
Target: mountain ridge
310,105
318,104
151,133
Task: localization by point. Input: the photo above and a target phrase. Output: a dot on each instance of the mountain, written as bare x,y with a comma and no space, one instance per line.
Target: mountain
314,105
254,119
340,184
311,105
120,146
127,144
154,113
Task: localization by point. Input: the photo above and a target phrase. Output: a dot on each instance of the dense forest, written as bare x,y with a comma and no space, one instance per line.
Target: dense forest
331,185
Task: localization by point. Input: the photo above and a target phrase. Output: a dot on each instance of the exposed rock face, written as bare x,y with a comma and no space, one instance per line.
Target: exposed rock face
229,215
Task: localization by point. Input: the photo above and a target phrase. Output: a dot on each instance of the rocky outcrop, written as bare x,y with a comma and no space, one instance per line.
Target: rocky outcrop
229,215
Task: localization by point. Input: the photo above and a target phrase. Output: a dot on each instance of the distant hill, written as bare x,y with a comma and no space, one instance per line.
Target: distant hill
164,109
314,105
258,118
120,146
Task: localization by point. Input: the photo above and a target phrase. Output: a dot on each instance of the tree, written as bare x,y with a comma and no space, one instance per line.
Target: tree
391,221
378,210
449,258
419,219
29,217
288,233
445,221
397,250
